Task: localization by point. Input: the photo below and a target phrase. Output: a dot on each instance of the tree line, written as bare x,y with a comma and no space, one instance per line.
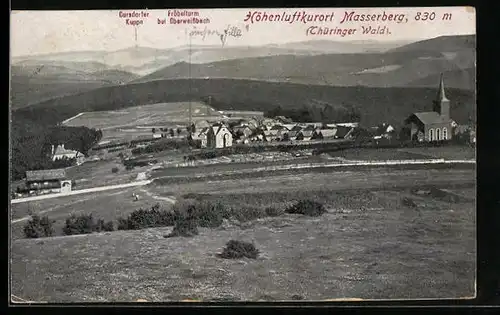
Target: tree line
31,145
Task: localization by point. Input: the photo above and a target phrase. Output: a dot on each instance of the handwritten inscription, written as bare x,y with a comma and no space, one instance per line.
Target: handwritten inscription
133,18
229,31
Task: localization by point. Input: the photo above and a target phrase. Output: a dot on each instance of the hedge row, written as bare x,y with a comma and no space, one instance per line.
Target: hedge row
186,217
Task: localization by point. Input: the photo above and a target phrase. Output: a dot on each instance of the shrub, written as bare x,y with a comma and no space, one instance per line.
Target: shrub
408,202
123,224
38,227
273,212
114,170
245,213
141,218
186,223
239,249
105,226
82,224
206,214
307,207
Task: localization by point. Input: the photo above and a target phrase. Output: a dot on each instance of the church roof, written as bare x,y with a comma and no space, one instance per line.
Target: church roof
431,118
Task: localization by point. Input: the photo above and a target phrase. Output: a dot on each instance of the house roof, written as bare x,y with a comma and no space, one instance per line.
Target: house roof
430,118
60,150
307,133
44,175
278,127
328,132
342,131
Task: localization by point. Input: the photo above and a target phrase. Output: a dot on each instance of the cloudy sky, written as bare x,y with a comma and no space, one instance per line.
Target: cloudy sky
41,32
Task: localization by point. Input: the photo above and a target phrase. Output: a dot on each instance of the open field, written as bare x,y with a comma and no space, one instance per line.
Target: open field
125,124
369,245
332,179
108,205
445,152
98,173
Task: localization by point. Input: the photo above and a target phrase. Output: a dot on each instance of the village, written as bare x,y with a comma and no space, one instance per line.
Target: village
430,127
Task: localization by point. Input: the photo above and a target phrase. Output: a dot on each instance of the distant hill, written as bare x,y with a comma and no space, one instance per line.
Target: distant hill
398,67
144,60
376,105
32,82
320,62
441,44
462,79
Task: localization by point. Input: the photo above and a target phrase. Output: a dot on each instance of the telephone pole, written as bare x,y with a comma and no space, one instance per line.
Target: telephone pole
190,89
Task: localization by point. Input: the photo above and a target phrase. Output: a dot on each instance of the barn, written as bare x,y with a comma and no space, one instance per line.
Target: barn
46,181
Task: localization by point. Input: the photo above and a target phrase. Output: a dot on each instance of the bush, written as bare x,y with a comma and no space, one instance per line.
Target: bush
105,226
38,227
408,202
140,219
239,249
206,214
114,170
186,222
82,224
245,214
307,207
273,212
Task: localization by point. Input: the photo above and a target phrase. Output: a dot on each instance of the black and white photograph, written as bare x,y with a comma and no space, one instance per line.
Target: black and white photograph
250,155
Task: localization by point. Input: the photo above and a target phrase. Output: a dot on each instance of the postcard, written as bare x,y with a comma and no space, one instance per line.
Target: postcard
251,154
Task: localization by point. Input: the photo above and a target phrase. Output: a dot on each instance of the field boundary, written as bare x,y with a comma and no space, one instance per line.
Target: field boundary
71,118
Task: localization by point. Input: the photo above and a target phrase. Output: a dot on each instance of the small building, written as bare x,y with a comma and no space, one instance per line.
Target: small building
325,133
344,132
60,152
383,131
46,181
278,131
432,126
219,136
201,135
305,134
243,131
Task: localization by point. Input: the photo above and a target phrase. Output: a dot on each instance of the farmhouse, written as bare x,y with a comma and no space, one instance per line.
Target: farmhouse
432,126
219,136
45,181
60,152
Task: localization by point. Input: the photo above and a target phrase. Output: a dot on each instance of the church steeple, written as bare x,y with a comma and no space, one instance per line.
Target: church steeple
441,94
442,103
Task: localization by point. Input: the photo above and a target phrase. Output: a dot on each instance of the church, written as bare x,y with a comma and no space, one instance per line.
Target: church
435,125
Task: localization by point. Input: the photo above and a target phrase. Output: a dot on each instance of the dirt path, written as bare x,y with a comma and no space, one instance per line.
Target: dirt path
82,191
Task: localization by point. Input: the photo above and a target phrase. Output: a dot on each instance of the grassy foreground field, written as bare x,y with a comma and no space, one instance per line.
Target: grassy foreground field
369,245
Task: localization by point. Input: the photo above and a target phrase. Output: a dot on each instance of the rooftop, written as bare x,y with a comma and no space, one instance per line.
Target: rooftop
45,175
431,117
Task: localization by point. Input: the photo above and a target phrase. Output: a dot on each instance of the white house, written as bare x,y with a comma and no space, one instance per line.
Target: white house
61,152
219,136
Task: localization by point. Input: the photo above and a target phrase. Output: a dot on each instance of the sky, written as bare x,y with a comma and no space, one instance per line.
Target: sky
45,32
